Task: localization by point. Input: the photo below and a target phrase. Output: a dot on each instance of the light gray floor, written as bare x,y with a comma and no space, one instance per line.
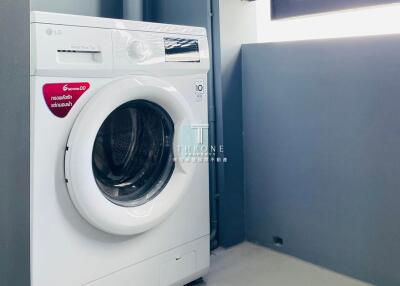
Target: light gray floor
251,265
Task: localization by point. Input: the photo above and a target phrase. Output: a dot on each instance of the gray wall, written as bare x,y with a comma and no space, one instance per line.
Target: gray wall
14,143
102,8
322,152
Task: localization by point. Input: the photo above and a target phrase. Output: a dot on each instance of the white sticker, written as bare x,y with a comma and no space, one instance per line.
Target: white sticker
200,89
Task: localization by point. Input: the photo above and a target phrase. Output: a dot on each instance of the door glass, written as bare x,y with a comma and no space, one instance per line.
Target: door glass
133,153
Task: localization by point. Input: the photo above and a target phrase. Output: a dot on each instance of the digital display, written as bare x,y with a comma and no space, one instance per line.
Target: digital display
182,50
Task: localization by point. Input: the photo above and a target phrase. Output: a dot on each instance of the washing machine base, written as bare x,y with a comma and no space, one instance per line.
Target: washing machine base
174,267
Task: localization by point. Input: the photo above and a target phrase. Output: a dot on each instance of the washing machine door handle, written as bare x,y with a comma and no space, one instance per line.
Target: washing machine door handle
125,207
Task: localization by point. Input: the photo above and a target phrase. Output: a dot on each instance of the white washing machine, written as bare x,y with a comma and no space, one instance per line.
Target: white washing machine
117,198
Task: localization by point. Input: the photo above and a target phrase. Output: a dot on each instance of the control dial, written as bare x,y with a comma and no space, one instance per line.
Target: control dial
138,50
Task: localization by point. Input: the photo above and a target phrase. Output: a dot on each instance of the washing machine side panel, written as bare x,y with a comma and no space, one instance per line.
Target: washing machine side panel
65,249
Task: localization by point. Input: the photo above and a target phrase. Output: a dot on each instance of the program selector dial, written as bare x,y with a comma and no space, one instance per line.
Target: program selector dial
138,50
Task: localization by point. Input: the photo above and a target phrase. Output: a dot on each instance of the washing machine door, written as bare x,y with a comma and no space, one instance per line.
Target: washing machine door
120,165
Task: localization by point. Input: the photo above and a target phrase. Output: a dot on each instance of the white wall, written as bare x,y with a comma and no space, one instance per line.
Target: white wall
237,22
374,20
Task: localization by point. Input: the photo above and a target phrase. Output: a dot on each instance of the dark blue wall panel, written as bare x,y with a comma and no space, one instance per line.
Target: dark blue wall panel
290,8
322,152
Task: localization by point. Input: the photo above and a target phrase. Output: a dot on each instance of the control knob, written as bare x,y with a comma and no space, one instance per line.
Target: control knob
138,50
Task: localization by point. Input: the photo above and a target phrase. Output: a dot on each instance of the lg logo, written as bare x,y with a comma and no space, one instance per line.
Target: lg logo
55,32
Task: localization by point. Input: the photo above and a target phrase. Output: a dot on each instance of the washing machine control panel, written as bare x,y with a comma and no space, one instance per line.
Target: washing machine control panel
178,50
139,51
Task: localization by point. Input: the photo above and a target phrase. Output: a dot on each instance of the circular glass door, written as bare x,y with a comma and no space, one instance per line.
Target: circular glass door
132,155
119,162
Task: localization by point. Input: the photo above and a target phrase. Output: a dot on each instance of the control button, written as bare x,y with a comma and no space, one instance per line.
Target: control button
138,50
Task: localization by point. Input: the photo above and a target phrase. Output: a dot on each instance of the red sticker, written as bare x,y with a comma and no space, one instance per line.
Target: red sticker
61,97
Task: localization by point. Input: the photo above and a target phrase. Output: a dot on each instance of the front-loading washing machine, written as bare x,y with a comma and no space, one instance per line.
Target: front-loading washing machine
119,194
